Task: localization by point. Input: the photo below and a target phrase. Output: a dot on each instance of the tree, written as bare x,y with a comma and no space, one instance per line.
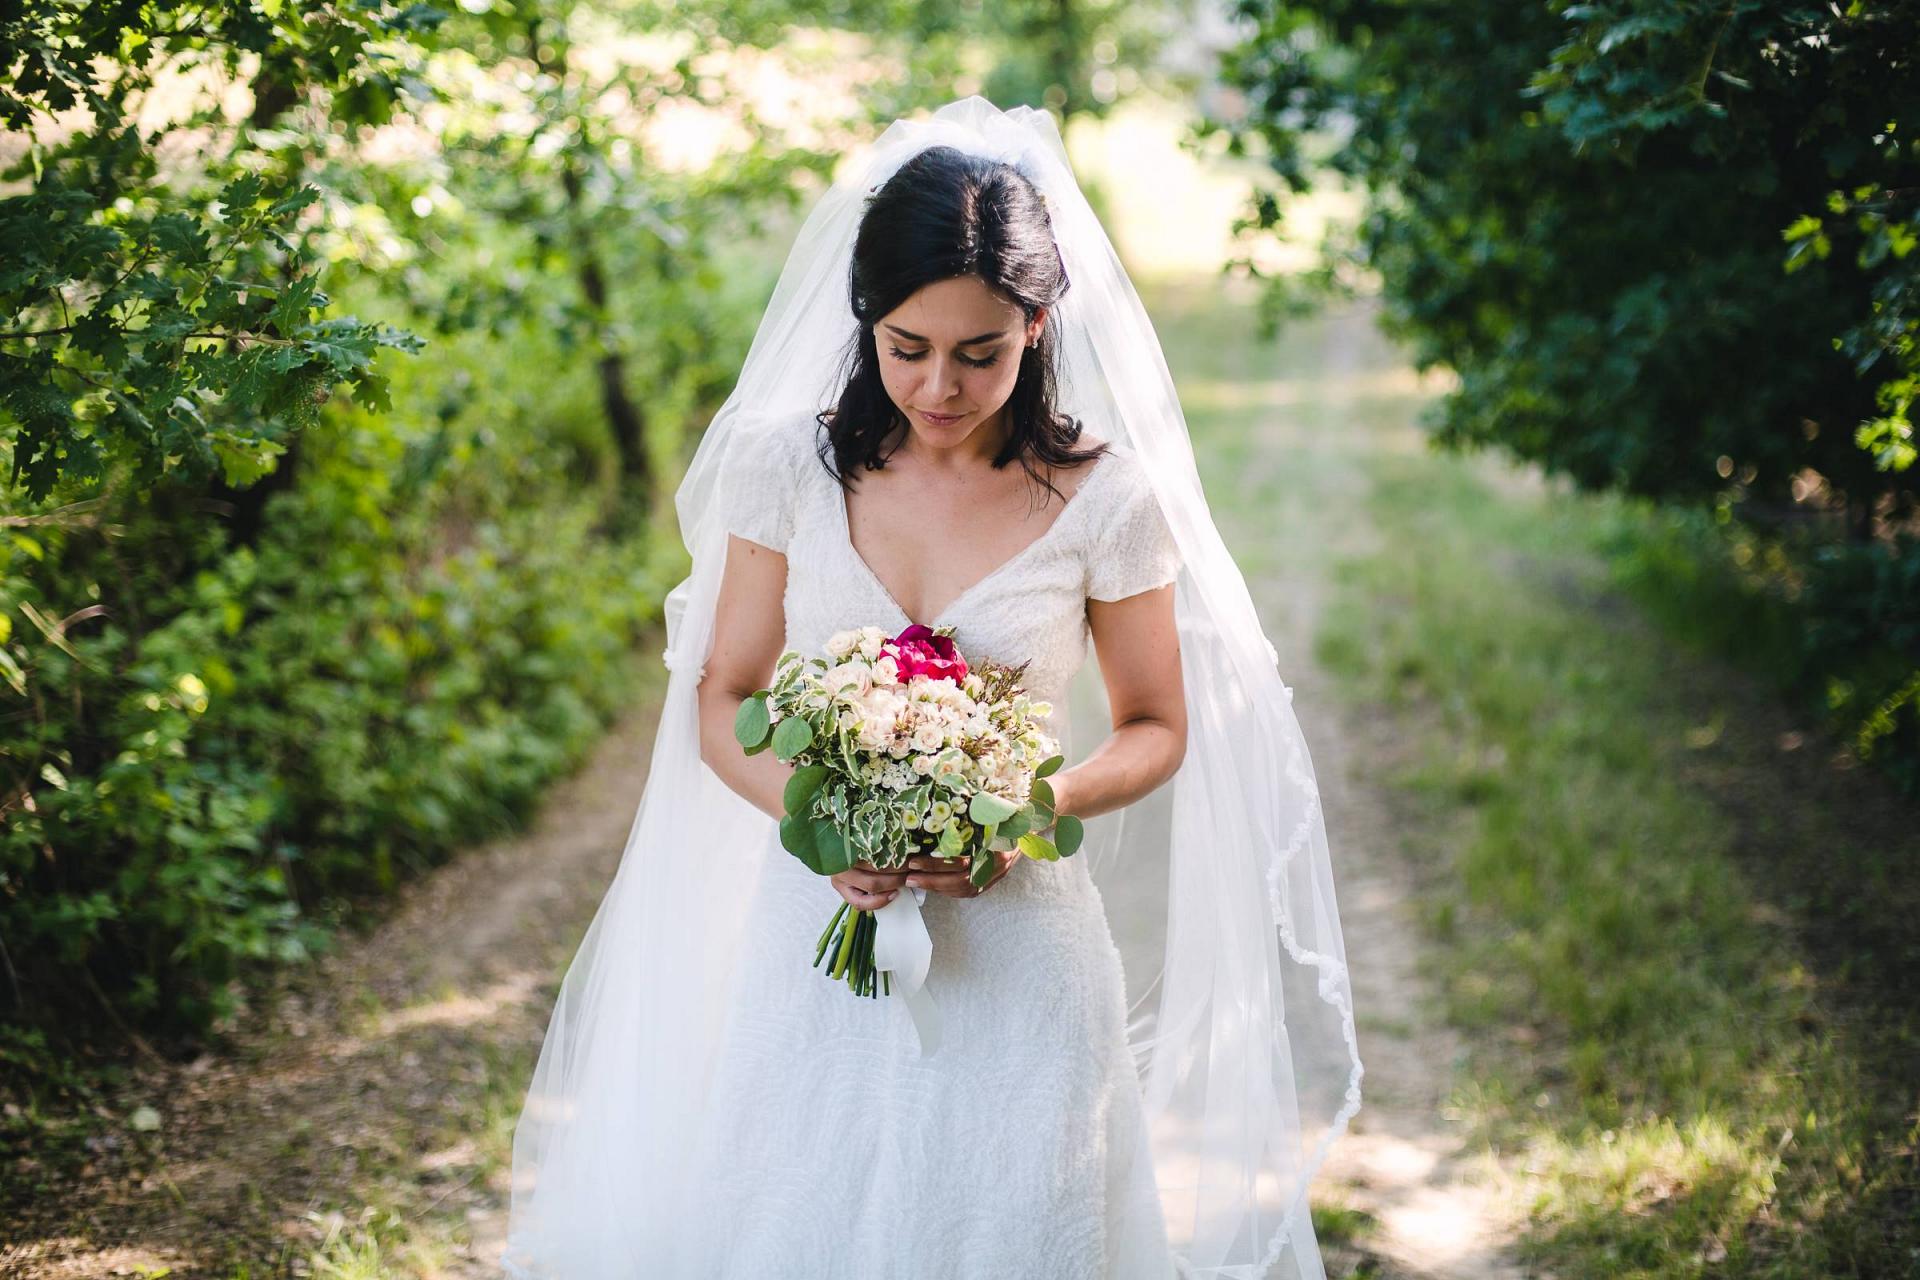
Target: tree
160,303
1667,245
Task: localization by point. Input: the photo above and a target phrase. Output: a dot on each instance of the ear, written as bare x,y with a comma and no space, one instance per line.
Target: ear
1035,325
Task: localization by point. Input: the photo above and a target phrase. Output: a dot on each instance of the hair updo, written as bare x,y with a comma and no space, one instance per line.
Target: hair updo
947,213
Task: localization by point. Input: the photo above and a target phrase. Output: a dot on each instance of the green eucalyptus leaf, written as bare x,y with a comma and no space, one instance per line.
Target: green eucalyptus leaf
796,837
794,735
1068,832
1039,848
751,722
982,870
986,808
803,786
1049,765
835,855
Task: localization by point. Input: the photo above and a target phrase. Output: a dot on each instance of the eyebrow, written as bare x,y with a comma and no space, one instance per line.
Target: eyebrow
964,342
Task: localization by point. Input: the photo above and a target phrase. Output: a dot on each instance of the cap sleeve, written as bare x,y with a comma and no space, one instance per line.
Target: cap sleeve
758,477
1133,548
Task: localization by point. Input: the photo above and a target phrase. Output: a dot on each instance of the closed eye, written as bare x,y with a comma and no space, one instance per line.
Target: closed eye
911,356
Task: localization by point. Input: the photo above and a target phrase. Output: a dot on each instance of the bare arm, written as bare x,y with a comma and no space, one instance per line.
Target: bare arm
749,627
1138,646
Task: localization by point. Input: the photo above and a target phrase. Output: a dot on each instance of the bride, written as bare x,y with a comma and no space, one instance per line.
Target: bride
955,415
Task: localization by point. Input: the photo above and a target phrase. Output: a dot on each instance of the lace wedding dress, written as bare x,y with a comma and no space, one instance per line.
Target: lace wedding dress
1019,1148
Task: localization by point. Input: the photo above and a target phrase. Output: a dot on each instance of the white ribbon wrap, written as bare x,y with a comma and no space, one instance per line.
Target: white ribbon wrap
902,947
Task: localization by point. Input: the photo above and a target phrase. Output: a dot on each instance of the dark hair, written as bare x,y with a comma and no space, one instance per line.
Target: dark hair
947,213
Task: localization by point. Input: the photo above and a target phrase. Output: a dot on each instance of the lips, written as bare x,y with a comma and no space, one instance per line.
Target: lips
940,418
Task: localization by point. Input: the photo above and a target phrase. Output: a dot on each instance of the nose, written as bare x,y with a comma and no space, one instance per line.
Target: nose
943,376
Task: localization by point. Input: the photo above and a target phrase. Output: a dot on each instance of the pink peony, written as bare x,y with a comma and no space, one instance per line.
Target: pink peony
919,652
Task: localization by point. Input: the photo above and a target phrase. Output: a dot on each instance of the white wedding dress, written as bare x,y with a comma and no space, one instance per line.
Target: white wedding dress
1019,1148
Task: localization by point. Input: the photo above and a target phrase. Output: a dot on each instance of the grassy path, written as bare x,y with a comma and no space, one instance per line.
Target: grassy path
1287,436
1674,928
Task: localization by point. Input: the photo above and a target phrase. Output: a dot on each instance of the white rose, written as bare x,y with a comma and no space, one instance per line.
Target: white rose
854,677
871,638
928,737
876,732
885,670
841,643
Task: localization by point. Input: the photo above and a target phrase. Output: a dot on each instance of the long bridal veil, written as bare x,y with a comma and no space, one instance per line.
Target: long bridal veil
1244,1037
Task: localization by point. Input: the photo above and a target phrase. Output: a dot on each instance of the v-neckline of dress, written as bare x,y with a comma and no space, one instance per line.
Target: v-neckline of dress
1066,511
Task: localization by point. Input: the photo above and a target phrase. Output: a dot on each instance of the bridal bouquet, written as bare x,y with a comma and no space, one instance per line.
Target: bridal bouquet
902,748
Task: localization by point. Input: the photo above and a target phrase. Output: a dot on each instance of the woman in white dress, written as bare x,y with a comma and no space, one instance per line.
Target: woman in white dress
1019,1148
708,1104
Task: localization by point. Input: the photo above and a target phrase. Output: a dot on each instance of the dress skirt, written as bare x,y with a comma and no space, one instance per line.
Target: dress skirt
834,1149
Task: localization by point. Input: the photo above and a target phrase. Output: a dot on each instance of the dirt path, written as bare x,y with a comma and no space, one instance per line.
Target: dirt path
1400,1163
390,1077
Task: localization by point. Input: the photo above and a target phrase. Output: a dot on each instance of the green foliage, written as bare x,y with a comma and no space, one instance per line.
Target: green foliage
1667,248
298,724
164,310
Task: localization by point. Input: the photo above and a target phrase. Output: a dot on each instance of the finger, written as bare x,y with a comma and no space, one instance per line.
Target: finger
952,886
877,881
865,901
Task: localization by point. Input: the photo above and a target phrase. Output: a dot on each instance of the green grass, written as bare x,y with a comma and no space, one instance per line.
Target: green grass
1691,1100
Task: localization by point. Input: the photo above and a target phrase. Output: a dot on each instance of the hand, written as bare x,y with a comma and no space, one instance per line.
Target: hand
950,875
867,888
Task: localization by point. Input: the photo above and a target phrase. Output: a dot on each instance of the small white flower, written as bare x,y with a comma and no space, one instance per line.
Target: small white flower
841,643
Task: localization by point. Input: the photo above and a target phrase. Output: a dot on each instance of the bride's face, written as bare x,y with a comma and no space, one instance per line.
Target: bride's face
950,354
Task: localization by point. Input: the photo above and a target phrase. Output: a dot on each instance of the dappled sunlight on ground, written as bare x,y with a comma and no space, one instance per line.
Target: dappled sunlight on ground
464,1010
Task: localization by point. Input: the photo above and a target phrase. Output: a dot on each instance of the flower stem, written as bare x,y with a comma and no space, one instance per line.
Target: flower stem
846,944
820,948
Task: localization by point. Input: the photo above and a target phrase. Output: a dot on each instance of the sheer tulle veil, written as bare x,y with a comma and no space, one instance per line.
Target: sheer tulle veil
1242,1015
